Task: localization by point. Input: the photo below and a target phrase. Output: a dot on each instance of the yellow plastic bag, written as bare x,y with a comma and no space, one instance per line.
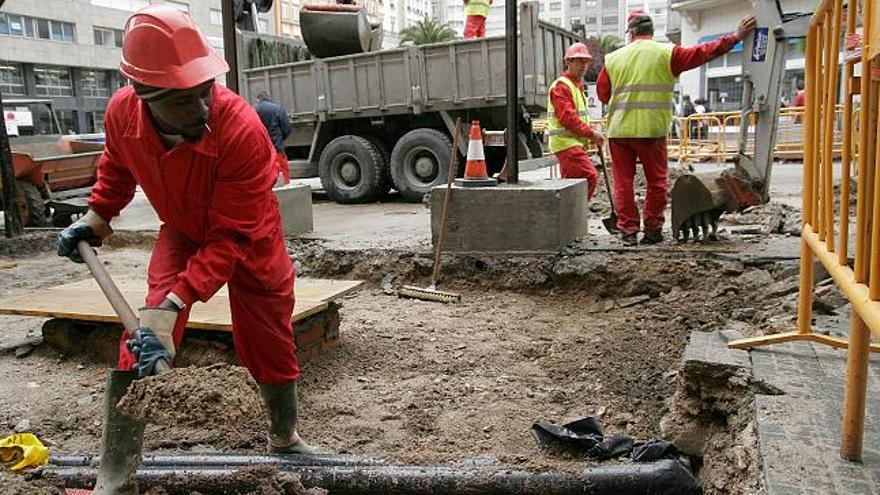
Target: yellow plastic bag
22,451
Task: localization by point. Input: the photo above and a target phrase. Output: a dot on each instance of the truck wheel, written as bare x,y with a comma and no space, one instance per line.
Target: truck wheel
419,162
387,182
31,206
351,170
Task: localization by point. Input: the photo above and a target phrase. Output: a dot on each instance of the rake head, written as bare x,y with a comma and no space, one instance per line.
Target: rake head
428,294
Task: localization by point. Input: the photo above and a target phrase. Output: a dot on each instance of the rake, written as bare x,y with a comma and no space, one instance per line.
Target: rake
430,293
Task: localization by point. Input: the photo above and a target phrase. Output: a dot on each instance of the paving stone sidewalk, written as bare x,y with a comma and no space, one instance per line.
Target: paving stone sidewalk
799,432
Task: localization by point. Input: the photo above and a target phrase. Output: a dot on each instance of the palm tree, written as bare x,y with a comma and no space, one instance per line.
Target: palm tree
427,31
600,46
609,43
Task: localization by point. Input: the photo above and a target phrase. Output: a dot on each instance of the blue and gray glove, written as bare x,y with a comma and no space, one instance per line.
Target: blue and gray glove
153,340
91,228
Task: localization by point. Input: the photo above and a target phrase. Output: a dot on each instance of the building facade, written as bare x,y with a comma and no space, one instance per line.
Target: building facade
68,51
599,17
398,15
720,81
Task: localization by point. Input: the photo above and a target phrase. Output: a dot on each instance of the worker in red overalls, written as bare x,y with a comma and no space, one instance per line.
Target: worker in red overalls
202,157
568,121
637,84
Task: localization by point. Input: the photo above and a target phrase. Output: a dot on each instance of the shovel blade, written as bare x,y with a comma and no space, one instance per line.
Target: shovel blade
610,224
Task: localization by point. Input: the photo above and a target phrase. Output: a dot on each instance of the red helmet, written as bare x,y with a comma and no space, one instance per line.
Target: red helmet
163,48
578,50
637,17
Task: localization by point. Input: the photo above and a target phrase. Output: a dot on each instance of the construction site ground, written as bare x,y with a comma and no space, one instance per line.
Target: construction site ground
598,329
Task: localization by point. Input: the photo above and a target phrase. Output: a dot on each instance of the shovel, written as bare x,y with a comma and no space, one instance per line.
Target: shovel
610,223
114,296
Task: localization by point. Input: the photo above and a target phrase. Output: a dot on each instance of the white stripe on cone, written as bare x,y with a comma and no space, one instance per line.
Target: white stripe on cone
475,150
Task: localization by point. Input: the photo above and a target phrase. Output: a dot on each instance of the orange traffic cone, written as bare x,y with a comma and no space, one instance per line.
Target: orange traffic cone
475,169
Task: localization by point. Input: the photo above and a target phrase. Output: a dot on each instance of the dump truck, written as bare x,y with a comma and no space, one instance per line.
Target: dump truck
369,122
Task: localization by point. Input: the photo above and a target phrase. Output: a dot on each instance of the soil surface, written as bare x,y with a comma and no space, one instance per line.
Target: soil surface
596,334
257,480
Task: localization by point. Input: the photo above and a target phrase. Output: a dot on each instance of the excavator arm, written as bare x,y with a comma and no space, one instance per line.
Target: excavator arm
699,200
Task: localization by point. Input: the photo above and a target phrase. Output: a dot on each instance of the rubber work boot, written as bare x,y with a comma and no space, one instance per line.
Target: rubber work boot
631,239
121,441
281,401
652,237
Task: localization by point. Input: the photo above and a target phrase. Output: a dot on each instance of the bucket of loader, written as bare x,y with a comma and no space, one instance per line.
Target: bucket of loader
698,200
335,30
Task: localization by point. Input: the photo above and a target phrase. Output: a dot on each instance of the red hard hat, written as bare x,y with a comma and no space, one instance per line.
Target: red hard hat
163,48
635,14
578,50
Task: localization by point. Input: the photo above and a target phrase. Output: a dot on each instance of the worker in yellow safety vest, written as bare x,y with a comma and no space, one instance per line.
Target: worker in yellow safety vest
476,12
568,123
637,85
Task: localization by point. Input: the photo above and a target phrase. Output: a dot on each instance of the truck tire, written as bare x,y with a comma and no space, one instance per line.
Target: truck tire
31,205
420,161
351,170
387,182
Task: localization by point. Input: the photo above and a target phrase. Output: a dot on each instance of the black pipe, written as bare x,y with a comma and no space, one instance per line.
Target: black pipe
226,460
666,477
512,135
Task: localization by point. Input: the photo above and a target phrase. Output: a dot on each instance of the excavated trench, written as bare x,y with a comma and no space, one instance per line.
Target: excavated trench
444,396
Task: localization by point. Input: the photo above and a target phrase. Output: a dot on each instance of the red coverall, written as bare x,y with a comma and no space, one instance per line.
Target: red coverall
651,151
221,223
475,27
574,162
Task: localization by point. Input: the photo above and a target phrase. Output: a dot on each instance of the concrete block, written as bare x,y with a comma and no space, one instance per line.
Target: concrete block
531,216
295,202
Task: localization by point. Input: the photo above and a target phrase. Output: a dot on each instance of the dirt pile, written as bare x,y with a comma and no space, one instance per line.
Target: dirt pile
30,483
769,218
216,395
257,480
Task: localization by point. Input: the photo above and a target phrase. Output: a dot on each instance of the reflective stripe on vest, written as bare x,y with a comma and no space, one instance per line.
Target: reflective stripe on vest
477,7
642,86
560,137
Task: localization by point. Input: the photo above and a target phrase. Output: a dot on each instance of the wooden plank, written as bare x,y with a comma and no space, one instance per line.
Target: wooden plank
84,301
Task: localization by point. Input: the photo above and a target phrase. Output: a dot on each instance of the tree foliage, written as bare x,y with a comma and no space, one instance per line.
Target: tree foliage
427,31
600,46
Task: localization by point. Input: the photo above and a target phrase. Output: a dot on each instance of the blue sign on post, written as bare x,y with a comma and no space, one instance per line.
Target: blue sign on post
759,46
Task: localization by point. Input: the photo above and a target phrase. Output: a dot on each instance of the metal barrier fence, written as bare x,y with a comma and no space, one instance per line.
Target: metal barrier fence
826,218
714,136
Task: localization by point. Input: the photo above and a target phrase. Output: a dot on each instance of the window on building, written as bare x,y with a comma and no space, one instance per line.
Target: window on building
11,78
591,3
95,83
108,37
52,81
287,29
574,3
181,6
555,5
286,11
716,63
264,25
734,59
609,20
31,27
725,93
556,21
217,17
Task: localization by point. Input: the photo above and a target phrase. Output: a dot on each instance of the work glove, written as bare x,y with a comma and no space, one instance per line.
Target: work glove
153,340
91,228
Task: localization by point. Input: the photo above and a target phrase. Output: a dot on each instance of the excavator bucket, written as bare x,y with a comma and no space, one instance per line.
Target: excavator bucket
335,30
698,200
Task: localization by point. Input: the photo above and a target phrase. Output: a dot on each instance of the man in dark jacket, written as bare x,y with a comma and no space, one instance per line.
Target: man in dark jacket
277,124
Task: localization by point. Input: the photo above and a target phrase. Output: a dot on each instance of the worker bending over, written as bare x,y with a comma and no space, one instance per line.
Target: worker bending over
568,123
200,154
637,84
476,12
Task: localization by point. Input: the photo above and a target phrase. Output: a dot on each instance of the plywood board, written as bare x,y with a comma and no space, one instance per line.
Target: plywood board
85,301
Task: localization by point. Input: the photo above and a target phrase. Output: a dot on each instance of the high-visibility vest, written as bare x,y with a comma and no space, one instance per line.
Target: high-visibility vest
477,7
560,137
642,87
